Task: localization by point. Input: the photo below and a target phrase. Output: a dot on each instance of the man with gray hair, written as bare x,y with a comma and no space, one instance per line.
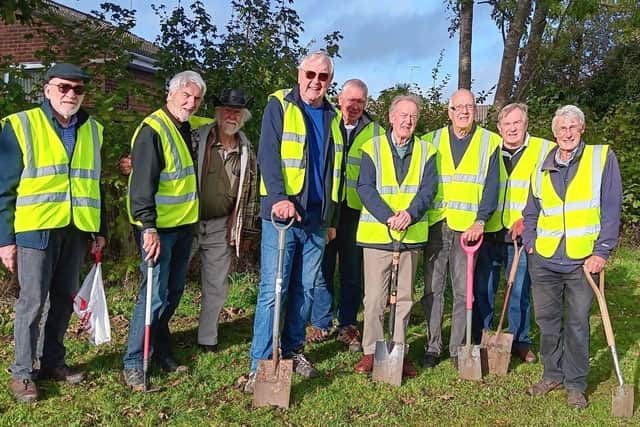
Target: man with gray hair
357,127
228,171
300,157
521,154
571,220
468,182
397,183
163,203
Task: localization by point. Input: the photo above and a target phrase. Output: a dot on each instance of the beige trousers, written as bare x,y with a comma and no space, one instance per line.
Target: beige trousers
377,281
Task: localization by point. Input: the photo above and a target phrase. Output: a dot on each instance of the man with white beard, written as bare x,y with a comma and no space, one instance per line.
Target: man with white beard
227,187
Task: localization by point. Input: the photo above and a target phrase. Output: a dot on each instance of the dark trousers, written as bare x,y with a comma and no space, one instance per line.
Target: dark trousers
562,302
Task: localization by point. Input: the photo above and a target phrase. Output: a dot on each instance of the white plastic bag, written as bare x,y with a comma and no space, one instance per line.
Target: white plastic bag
90,304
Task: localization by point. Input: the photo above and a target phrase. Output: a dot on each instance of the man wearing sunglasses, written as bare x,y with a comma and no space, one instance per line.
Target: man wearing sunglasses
468,186
300,157
50,206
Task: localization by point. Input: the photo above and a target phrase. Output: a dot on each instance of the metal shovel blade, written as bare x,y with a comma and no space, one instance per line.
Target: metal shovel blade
273,383
469,362
622,402
387,364
497,346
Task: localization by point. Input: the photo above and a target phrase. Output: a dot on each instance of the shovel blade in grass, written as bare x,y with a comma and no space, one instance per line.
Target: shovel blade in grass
273,383
497,346
387,364
469,362
622,402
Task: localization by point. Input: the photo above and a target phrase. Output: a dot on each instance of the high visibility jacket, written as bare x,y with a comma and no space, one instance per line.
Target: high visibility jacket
577,217
354,156
460,188
197,121
398,196
514,188
177,196
53,190
293,149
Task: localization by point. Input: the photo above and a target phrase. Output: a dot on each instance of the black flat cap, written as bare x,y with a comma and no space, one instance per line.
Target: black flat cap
66,71
234,98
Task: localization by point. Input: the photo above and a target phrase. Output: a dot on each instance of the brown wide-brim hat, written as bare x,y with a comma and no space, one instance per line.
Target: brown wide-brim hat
233,98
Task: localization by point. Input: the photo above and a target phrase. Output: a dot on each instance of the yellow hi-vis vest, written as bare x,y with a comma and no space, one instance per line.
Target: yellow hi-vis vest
293,151
514,188
198,121
353,165
54,191
177,196
398,196
460,189
577,217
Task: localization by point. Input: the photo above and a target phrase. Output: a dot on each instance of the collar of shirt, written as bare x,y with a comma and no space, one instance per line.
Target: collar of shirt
509,155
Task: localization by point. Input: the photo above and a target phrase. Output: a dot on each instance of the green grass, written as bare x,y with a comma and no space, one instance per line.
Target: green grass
210,394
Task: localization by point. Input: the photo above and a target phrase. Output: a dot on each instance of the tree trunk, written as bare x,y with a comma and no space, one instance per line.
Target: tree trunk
464,55
529,58
510,54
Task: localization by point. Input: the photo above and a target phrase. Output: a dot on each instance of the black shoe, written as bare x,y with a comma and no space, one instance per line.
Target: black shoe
169,365
61,373
302,365
134,378
213,348
430,361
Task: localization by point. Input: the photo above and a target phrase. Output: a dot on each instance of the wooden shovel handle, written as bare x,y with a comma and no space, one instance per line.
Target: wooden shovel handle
517,252
602,303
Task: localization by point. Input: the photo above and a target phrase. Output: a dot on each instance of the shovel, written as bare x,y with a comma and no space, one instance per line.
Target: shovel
622,401
389,355
469,360
273,377
498,345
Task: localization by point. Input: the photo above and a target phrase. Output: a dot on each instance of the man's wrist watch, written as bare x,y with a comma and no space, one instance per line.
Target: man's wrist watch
480,222
149,230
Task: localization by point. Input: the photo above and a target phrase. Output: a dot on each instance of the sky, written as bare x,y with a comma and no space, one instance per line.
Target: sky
385,41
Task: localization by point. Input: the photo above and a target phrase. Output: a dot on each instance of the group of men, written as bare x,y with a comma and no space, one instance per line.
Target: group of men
352,189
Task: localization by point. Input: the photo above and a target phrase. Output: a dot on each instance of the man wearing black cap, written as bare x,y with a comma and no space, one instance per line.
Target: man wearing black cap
50,206
227,168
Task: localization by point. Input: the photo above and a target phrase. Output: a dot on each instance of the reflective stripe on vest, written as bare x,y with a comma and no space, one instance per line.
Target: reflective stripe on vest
293,152
460,188
577,217
397,196
53,190
177,197
353,165
514,188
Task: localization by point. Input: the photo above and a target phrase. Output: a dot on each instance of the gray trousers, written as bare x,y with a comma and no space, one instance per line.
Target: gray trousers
53,271
443,254
562,302
377,279
215,256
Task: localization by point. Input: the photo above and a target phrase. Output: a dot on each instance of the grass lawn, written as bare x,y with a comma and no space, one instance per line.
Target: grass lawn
210,393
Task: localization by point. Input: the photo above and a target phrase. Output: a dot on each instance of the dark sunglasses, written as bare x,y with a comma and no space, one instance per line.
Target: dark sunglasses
323,77
66,87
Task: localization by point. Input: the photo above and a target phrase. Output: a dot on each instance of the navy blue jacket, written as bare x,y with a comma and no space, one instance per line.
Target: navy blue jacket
610,206
11,167
269,161
379,208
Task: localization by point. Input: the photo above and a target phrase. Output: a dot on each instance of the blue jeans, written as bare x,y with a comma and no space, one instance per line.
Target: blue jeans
349,256
301,265
169,274
491,256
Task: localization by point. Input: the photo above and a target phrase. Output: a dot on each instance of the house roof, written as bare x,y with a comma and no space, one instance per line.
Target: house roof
143,47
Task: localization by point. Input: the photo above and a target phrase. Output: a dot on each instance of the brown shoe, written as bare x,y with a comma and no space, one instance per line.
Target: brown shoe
61,373
350,336
525,354
24,390
408,370
365,365
543,387
317,335
576,399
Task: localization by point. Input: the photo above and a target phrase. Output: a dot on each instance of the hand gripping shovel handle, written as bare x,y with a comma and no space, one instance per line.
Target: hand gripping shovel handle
606,320
282,229
147,321
517,253
393,288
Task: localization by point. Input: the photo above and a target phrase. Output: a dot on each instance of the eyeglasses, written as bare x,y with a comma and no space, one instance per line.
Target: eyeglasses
562,130
323,77
66,87
462,107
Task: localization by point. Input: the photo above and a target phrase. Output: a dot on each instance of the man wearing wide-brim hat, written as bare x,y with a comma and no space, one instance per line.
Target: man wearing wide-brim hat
50,207
227,169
